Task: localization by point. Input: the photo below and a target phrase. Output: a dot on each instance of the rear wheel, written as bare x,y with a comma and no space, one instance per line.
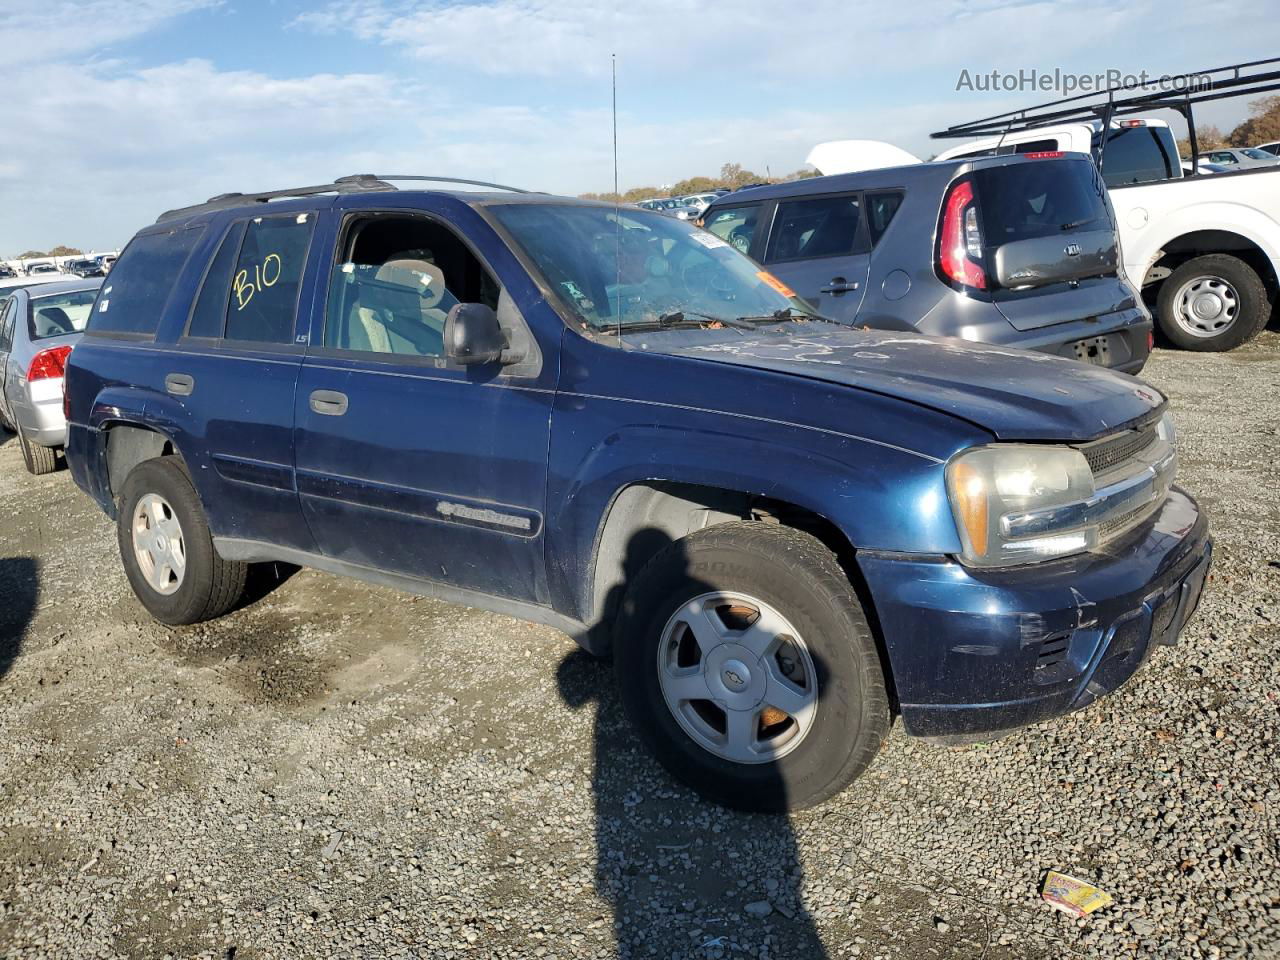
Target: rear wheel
1212,303
745,661
167,549
39,459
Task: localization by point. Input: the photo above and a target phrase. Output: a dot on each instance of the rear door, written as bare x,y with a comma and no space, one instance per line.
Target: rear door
8,317
819,247
231,377
406,462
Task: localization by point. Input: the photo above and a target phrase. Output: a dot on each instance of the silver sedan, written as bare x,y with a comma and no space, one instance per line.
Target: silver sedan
39,325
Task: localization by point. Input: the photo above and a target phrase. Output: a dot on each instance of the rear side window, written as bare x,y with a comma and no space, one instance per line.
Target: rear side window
1041,198
815,227
881,208
1140,155
734,225
60,315
267,279
132,299
210,311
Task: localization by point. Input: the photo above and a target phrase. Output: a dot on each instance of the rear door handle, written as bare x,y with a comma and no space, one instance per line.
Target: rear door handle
839,285
179,384
330,403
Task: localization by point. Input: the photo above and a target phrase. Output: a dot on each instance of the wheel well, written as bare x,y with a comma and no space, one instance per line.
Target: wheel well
1190,245
645,517
128,446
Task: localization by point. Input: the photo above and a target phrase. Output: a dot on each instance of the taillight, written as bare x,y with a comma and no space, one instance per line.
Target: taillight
1043,154
49,363
960,243
1151,340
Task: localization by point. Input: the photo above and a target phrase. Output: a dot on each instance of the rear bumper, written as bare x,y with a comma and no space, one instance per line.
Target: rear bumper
1125,339
39,413
977,652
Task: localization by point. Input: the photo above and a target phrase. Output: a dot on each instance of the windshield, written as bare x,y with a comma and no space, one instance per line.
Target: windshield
619,268
60,314
1253,154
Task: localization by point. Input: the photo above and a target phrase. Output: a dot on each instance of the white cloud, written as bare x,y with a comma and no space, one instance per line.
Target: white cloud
36,32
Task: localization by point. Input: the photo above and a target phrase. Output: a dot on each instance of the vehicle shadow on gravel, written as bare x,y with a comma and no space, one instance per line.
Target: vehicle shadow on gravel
19,590
687,878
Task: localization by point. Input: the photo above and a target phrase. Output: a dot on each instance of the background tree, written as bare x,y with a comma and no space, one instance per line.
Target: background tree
1262,127
1207,138
31,255
64,251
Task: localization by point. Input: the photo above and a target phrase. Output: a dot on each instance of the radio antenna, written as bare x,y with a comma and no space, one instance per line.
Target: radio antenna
617,204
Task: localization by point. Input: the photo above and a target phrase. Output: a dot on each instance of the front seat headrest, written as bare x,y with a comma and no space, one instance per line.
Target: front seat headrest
426,278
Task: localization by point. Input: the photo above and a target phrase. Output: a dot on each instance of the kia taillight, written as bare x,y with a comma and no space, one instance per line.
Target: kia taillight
49,363
960,241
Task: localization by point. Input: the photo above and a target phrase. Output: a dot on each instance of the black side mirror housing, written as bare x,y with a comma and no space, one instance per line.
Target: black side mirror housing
472,335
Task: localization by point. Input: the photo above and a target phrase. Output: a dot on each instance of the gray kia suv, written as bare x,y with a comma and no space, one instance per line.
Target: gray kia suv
1018,250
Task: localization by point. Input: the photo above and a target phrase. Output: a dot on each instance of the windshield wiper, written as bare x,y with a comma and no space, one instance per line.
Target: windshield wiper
1079,223
678,320
785,315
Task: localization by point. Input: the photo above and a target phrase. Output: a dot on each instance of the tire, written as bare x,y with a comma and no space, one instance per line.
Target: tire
782,573
206,586
1225,284
39,459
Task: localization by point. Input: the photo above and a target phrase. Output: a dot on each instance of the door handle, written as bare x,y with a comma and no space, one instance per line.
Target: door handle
839,285
329,403
179,384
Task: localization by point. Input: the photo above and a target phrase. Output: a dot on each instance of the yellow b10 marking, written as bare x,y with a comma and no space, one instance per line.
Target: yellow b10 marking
264,276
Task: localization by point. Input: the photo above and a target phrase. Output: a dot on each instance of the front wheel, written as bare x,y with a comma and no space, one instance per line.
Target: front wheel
167,549
1212,303
746,663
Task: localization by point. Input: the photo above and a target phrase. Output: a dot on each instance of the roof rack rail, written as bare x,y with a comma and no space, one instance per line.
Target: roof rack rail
415,176
1198,86
354,183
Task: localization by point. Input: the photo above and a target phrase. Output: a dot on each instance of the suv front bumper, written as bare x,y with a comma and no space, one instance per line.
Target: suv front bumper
982,652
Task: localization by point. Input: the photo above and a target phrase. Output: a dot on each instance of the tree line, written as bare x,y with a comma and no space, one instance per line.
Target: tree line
58,251
732,176
1262,126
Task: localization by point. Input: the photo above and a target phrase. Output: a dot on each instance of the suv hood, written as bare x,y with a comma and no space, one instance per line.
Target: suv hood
1015,394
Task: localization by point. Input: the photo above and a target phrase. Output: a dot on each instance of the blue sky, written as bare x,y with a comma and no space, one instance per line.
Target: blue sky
114,110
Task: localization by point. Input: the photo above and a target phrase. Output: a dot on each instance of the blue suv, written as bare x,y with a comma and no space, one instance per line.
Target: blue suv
784,531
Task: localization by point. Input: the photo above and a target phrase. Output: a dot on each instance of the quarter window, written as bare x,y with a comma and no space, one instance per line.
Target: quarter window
267,278
881,208
132,299
735,225
812,228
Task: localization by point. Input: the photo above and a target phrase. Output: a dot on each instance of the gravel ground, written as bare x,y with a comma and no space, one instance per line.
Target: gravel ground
339,770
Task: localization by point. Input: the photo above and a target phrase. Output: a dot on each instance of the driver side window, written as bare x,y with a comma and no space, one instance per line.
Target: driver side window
395,282
734,225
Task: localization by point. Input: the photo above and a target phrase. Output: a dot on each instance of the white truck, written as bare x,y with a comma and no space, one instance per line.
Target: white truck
1204,248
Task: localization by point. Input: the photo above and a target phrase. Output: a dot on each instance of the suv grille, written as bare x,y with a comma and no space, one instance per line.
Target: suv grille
1106,455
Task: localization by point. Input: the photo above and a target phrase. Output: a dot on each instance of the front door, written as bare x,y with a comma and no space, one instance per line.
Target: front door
818,247
405,462
8,318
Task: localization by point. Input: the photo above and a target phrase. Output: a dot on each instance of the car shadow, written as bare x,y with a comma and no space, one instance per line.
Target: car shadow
685,876
19,591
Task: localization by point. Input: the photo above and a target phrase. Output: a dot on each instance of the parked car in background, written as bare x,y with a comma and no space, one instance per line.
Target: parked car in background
38,327
670,207
9,284
1204,250
85,268
1017,250
36,269
610,421
7,272
1204,166
1241,158
700,201
107,260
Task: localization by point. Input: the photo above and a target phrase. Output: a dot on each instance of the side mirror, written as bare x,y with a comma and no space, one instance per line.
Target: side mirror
472,335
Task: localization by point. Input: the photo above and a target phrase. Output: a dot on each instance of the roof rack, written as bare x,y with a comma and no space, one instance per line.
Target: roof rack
1198,86
355,183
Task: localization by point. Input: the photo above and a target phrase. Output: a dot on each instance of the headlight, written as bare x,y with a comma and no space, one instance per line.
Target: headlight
993,490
